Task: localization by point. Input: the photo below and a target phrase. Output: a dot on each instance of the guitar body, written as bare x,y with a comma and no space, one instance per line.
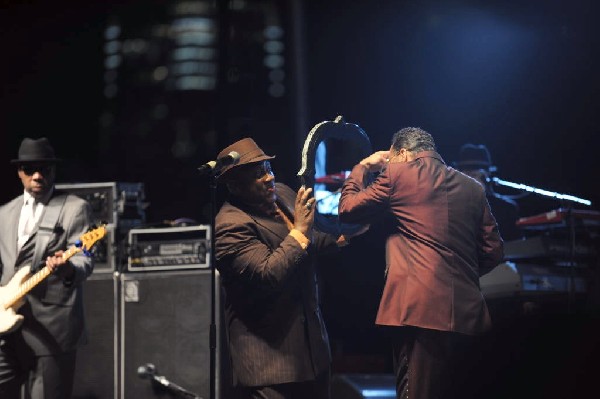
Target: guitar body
12,296
9,319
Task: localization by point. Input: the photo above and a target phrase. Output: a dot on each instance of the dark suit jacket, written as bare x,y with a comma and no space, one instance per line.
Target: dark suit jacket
54,319
275,329
445,239
506,213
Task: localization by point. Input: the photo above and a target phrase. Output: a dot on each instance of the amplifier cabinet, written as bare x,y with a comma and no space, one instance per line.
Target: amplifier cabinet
117,203
165,324
169,248
96,371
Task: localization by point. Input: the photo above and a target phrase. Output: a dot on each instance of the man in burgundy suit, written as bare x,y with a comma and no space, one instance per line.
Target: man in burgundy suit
445,238
265,248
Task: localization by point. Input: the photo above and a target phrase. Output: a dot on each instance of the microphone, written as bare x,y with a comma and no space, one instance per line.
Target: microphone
148,371
214,167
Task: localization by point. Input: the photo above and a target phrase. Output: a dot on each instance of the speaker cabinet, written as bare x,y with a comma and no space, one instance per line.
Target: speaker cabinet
165,322
359,386
96,368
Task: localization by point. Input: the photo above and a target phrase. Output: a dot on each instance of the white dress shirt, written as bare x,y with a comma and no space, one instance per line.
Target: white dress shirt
30,216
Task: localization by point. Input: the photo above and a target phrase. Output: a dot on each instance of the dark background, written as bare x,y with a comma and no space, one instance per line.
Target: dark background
518,76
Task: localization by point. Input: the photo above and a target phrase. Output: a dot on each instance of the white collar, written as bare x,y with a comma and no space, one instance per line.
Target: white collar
28,197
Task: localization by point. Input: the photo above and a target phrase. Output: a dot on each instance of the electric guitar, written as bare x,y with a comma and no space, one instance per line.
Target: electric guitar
12,295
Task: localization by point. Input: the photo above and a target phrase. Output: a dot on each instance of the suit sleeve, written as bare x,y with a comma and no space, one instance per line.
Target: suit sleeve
360,201
239,251
324,243
77,222
491,245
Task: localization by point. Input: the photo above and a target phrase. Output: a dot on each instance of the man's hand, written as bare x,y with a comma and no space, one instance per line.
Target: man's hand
57,264
304,211
376,161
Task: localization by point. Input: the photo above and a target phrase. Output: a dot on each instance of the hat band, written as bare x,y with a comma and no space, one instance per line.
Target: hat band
255,153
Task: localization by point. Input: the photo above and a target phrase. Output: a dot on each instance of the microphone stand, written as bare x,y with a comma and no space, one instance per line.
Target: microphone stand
181,392
572,263
213,290
148,371
212,176
223,17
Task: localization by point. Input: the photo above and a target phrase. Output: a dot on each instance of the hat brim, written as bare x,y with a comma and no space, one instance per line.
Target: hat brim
39,160
226,171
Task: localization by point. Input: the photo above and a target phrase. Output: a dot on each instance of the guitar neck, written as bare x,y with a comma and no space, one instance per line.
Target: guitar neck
36,279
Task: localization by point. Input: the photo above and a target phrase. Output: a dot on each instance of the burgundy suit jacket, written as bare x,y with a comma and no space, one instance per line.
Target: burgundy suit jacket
275,328
445,238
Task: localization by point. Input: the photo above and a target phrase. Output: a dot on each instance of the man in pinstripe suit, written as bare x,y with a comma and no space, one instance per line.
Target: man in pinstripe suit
265,247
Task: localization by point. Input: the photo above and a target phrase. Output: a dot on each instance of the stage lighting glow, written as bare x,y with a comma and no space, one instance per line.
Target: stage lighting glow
378,393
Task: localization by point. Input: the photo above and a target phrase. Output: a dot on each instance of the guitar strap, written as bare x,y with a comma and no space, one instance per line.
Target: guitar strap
46,228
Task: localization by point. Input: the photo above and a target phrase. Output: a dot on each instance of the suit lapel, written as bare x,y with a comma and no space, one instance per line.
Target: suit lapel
30,239
12,226
285,197
274,226
13,223
277,227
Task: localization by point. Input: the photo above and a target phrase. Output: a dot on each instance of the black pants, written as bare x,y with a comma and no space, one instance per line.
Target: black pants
431,364
45,377
314,389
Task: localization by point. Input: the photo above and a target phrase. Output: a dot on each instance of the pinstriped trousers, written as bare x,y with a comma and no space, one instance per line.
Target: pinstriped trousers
428,363
314,389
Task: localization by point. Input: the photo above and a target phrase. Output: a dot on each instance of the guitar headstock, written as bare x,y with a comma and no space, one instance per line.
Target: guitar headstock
92,237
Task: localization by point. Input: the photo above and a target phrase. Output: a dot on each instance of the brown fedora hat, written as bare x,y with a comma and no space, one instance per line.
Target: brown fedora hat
35,151
249,152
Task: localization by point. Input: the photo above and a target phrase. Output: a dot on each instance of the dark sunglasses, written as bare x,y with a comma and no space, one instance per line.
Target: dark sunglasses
29,170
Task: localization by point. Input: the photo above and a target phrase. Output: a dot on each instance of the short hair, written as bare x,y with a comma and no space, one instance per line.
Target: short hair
413,139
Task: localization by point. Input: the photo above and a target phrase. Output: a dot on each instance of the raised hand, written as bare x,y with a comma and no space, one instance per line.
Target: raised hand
304,211
376,161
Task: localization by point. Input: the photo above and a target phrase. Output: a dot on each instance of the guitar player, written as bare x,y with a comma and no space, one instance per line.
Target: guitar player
36,228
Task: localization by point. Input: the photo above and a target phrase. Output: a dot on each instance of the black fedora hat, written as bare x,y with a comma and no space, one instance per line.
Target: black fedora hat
35,151
474,156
